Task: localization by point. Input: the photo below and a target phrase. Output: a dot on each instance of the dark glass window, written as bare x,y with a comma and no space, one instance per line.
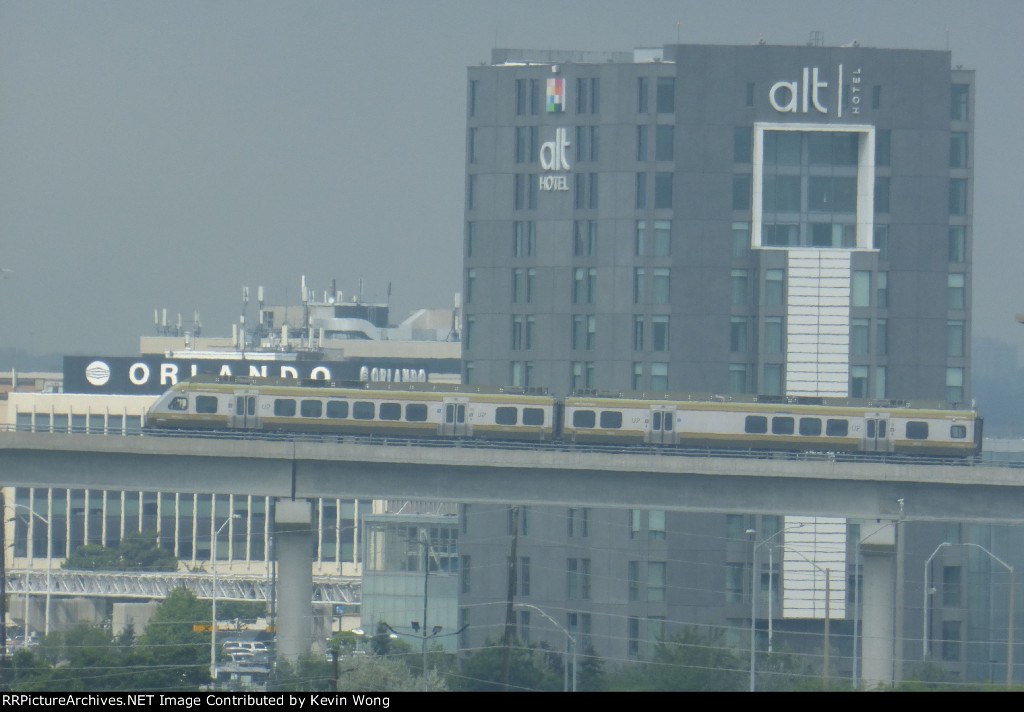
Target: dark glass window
416,412
506,415
611,419
363,410
810,426
917,430
206,404
337,409
533,416
782,425
756,424
958,432
311,408
666,95
390,411
284,407
837,428
583,419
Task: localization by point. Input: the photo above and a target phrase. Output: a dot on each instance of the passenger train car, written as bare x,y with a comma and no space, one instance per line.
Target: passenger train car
435,410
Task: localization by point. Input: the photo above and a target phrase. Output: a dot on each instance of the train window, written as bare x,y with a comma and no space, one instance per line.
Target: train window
882,428
810,426
917,430
362,410
284,407
206,404
179,403
416,412
782,425
337,409
958,432
506,415
870,429
533,416
583,419
837,428
611,419
667,423
390,411
311,408
756,424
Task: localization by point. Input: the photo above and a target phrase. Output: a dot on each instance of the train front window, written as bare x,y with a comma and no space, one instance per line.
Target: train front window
206,404
179,403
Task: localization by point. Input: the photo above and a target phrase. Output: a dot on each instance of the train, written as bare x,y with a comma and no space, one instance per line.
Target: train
794,424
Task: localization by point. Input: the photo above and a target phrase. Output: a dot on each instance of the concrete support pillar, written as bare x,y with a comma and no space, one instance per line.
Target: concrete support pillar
293,541
878,548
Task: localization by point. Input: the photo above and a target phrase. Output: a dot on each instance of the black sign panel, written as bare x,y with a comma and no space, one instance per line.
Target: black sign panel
150,375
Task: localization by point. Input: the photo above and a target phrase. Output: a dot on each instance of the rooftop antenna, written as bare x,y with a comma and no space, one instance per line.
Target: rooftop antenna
947,40
679,25
388,302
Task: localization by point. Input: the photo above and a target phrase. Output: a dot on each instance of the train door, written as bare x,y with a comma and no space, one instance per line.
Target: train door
244,415
453,420
876,433
663,425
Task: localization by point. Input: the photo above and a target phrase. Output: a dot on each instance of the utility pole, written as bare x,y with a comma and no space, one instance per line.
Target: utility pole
510,615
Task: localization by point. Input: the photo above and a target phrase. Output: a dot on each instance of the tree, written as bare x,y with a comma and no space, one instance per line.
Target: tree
138,551
529,670
693,660
174,655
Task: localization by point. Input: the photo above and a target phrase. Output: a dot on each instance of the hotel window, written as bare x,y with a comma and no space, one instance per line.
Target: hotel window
738,281
524,239
666,95
960,96
581,143
738,334
772,379
656,524
741,192
522,87
655,580
633,571
659,376
536,101
662,238
471,148
882,290
663,191
659,333
642,90
577,333
664,143
582,375
464,574
737,378
470,239
740,239
734,576
881,337
750,94
859,330
641,236
860,292
881,242
955,289
516,373
528,341
858,381
470,283
876,96
957,243
955,385
517,284
522,143
474,97
882,184
958,196
638,333
641,191
593,191
958,149
531,281
883,147
517,332
660,285
641,143
639,293
773,335
773,287
880,382
594,142
637,381
742,147
470,189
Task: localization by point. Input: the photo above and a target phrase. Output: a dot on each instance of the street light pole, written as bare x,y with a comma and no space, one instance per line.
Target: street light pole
49,565
568,635
213,598
927,566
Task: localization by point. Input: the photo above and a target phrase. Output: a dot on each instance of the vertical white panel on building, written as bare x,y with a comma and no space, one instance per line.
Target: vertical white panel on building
815,547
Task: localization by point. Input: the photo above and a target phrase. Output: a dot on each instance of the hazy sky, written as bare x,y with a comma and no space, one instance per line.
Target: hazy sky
163,154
